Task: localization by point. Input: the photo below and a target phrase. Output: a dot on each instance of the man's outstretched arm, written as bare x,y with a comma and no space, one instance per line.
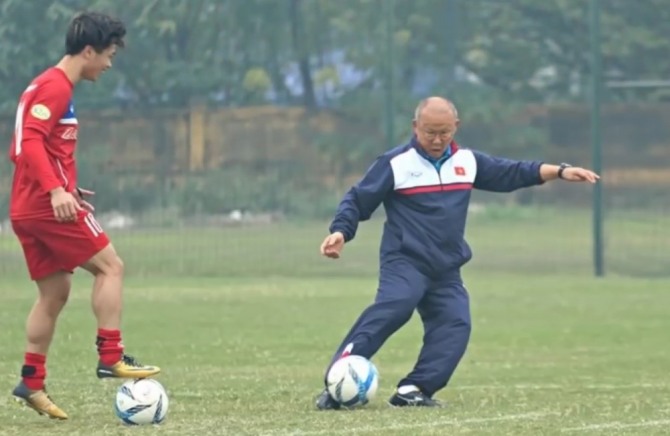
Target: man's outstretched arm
505,175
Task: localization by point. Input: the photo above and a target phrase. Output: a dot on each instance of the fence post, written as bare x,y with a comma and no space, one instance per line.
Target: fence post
596,140
389,99
196,136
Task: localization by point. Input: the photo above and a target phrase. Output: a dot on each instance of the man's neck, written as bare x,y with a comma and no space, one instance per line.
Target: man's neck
71,67
447,152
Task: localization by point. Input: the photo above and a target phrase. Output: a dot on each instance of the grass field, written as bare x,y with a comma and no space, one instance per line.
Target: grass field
244,338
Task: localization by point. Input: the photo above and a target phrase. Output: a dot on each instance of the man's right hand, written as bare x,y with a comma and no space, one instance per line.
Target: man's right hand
64,205
332,245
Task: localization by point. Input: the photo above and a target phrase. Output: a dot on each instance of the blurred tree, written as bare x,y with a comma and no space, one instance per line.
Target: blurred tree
323,52
538,51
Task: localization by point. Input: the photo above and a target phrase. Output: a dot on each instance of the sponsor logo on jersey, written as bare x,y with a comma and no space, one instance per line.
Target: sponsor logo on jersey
40,112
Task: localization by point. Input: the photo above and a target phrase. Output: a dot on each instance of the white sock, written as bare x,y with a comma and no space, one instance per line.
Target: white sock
404,390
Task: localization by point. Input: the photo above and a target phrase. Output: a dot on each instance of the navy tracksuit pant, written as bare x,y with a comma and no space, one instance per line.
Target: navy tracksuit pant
444,307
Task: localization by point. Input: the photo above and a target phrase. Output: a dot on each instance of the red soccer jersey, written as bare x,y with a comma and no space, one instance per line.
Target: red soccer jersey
42,150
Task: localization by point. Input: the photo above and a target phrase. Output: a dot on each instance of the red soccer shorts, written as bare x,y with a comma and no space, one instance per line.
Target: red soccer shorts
50,246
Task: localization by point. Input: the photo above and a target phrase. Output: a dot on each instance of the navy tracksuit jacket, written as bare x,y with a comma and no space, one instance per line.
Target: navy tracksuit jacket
422,248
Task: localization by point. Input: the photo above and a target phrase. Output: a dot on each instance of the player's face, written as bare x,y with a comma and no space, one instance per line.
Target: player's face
97,63
435,131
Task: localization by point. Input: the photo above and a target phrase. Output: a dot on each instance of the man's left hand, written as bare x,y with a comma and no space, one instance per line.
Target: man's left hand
576,174
79,194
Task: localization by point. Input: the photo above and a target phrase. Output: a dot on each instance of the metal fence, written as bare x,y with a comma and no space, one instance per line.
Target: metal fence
226,125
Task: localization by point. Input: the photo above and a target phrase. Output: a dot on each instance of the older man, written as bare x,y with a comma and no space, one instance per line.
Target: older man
425,187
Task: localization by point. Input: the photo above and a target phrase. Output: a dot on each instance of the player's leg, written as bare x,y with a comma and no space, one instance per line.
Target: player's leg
401,287
53,291
107,303
445,312
83,243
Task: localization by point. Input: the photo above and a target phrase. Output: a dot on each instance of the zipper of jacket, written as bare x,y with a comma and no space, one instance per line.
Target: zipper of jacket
439,177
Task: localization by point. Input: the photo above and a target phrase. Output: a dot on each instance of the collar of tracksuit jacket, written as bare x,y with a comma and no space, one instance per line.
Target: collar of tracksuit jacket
437,162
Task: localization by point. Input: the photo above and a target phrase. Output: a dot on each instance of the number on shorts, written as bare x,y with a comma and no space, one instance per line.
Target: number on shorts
93,225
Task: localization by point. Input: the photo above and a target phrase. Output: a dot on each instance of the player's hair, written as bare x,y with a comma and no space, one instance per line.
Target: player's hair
423,103
100,31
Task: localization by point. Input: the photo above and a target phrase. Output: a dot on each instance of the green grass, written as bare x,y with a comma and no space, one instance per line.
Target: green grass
243,344
244,356
506,240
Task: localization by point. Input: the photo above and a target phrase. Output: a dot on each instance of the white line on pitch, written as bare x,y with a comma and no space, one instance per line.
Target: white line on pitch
618,425
559,386
372,428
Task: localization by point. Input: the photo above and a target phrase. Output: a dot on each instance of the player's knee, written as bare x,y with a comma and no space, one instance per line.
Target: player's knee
106,263
463,327
114,266
54,292
110,266
402,315
54,303
399,311
458,327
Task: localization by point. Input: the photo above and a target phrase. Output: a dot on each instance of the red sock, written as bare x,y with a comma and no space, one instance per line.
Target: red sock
34,371
110,348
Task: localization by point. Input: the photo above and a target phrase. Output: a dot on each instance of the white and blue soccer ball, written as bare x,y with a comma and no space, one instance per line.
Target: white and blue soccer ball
352,381
141,402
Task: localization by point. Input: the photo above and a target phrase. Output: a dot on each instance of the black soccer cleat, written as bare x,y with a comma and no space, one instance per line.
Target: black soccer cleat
413,399
325,402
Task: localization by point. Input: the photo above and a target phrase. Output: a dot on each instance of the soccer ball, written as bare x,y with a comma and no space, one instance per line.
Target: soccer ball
141,402
352,381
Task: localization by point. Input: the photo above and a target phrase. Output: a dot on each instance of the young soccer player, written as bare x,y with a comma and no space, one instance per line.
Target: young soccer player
53,221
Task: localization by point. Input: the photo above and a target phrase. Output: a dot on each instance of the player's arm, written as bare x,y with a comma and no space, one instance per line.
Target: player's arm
363,198
505,175
39,119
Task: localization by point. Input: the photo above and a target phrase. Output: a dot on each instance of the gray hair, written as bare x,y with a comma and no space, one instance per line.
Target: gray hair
423,103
